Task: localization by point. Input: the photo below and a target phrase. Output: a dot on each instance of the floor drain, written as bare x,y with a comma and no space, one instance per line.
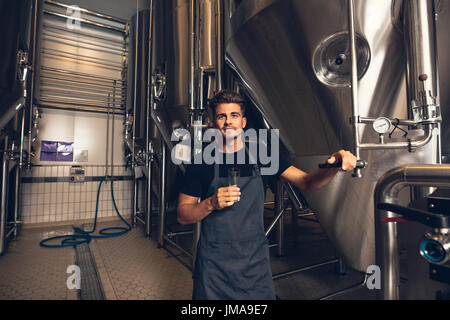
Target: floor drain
91,287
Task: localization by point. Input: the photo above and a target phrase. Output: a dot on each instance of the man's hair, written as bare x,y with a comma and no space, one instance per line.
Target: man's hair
227,96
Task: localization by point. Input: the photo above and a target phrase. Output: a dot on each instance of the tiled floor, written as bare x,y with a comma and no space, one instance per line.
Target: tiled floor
28,271
133,267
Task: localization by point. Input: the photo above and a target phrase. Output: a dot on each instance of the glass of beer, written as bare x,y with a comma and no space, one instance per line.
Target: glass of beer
233,176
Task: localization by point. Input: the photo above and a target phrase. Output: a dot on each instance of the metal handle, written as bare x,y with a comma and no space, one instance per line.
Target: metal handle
360,164
434,220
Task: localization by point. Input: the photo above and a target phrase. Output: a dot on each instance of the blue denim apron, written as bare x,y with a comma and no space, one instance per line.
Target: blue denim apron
233,254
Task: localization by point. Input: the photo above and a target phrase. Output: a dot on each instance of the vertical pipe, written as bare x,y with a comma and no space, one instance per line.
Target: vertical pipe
16,199
386,246
148,218
133,214
17,212
386,242
135,198
4,196
420,43
354,81
107,138
162,195
192,42
135,81
279,207
219,43
148,145
197,228
33,69
112,129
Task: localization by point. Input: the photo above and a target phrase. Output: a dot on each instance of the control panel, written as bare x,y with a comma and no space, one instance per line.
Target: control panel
77,174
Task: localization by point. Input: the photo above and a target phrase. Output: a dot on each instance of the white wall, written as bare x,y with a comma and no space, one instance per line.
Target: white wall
86,130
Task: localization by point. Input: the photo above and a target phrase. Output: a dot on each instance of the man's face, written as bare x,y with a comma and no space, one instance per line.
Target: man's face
229,120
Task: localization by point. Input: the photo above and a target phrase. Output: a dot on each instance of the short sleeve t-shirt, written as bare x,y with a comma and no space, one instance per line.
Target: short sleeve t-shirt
198,177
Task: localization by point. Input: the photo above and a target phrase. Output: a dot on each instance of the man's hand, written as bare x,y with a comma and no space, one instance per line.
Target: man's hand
225,197
346,157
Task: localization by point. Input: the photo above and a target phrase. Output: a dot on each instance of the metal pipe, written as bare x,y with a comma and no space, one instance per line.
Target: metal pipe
148,144
11,111
274,222
32,70
107,141
135,198
176,256
176,245
354,81
12,230
22,135
347,290
135,87
112,133
421,53
196,237
386,191
162,194
4,196
291,272
192,23
17,198
181,233
204,70
139,219
279,207
148,221
422,82
219,45
410,144
401,122
297,199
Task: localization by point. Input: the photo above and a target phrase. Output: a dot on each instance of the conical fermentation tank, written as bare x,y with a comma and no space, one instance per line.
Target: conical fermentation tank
293,58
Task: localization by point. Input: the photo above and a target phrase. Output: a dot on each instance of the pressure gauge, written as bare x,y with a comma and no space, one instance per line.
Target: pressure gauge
382,125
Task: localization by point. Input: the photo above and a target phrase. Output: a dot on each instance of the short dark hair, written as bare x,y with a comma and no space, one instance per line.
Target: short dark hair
227,96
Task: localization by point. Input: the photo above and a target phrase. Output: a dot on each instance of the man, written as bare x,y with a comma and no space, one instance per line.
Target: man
233,256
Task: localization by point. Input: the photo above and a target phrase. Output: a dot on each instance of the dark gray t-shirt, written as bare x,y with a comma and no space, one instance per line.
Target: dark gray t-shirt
198,177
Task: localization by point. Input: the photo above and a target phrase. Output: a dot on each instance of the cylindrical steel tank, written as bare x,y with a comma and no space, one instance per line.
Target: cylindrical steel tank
292,56
171,64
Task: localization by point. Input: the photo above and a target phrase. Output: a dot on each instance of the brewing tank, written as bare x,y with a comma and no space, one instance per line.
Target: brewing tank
293,58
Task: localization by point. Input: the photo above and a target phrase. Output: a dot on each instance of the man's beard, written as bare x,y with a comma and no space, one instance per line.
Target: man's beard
232,133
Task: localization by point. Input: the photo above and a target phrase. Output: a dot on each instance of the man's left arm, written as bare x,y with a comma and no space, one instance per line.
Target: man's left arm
313,181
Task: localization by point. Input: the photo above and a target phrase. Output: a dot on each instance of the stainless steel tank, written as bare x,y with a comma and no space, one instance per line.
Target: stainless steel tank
292,56
178,59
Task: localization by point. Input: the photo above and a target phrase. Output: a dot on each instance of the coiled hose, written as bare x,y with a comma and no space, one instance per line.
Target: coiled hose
81,236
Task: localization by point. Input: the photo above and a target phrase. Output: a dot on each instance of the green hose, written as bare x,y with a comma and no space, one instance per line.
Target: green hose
82,236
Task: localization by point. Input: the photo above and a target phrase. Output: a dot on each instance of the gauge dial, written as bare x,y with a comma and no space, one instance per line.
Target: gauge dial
382,125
